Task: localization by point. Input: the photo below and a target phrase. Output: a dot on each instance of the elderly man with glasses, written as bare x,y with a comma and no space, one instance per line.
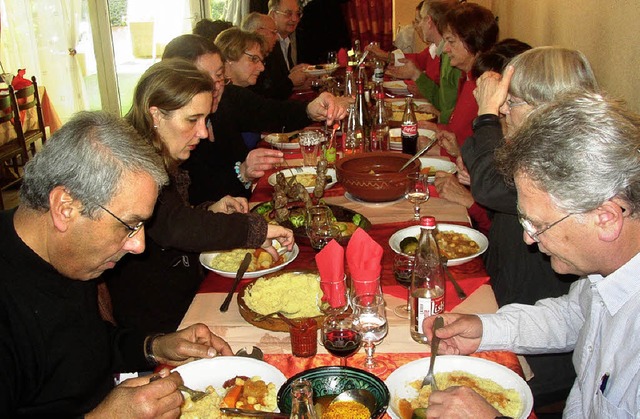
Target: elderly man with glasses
576,166
282,73
83,203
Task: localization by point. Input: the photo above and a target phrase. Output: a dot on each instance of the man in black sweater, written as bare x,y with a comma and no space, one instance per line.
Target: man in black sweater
84,198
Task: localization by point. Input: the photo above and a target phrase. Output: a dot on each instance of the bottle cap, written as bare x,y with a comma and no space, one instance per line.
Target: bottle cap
428,221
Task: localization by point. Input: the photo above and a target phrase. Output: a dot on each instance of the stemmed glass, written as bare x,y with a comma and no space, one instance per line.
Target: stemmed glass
340,336
417,191
371,321
402,270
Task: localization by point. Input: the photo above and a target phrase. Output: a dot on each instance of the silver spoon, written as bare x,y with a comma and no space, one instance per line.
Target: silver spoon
364,397
435,341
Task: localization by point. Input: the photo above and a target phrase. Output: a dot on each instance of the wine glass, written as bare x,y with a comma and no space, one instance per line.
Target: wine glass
417,191
340,336
371,321
402,270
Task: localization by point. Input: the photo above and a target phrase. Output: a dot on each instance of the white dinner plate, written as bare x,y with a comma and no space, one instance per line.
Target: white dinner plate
326,69
397,87
207,257
397,105
395,133
399,388
273,140
444,165
215,371
305,170
414,231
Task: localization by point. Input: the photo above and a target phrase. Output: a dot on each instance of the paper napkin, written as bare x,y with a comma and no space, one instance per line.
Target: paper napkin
330,261
364,256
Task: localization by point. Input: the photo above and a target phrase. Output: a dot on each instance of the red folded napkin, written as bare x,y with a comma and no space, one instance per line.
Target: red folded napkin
330,261
363,257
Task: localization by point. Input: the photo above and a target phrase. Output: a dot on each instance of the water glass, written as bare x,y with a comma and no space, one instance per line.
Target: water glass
316,216
304,338
309,146
321,235
371,322
332,57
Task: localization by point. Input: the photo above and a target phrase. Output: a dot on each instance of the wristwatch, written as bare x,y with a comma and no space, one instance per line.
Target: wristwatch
485,119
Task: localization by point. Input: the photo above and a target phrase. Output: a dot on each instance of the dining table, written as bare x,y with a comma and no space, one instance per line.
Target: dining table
397,348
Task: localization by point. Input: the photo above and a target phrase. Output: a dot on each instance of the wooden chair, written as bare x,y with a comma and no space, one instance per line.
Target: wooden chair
13,151
26,99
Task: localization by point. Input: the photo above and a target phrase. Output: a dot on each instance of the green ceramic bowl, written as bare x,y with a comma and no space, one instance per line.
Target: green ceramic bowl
328,381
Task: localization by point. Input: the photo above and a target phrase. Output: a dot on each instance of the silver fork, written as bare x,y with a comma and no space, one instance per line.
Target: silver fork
194,394
430,379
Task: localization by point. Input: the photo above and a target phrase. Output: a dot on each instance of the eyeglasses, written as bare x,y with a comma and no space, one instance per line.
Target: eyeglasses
514,104
289,14
221,79
531,230
132,230
254,58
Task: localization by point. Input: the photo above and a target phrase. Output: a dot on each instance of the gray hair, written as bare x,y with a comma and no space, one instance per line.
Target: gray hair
89,156
543,73
252,21
583,150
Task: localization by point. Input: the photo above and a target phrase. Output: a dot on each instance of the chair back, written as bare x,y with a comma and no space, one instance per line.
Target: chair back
13,149
26,100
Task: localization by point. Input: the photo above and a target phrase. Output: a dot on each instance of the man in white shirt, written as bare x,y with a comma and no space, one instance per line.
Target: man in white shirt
576,167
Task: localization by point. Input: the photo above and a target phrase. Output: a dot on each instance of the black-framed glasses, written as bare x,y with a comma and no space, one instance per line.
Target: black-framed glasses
254,58
289,14
132,230
530,228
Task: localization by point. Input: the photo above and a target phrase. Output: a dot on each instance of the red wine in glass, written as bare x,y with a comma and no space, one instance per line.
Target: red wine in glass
340,337
402,271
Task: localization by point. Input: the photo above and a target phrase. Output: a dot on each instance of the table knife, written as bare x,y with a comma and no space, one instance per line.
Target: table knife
418,154
241,270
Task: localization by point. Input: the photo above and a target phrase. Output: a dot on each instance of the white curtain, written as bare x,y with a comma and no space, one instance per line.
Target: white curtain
41,36
235,10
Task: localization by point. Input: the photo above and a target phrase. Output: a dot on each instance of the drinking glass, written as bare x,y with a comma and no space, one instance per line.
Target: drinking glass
417,191
321,234
332,57
371,322
317,215
340,336
309,146
402,270
336,296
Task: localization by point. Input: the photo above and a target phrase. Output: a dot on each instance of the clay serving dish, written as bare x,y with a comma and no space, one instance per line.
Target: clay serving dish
374,177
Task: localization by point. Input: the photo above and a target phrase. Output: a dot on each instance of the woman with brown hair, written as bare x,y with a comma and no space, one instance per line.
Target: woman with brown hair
153,290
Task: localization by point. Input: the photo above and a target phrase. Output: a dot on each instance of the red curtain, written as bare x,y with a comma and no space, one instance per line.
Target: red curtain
369,21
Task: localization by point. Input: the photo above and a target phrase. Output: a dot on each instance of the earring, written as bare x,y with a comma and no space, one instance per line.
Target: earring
155,126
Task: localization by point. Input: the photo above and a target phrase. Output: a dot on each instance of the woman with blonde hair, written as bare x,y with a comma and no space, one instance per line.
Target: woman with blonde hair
244,54
153,290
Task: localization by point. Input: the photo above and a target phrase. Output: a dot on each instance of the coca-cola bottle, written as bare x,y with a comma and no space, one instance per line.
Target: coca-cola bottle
362,113
353,138
427,280
380,125
409,129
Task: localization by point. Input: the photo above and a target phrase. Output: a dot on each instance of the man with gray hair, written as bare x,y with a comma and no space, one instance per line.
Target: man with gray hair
263,25
576,167
85,197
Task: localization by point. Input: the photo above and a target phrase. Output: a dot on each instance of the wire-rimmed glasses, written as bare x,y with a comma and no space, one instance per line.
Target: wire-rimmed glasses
132,230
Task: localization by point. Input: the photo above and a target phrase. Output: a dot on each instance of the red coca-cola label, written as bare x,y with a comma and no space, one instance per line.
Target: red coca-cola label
409,130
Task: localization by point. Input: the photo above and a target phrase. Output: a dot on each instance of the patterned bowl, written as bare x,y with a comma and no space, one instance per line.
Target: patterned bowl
331,381
374,177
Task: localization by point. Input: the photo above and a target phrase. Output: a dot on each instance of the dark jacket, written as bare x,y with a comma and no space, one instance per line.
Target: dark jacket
153,290
57,355
211,165
274,81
